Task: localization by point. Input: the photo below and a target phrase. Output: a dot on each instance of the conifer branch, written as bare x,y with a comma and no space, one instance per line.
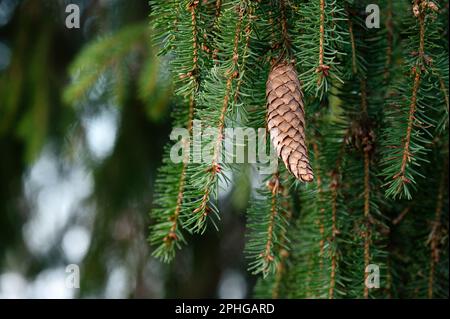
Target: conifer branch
247,34
280,250
401,216
319,44
401,162
406,149
334,185
201,212
170,195
213,30
334,232
267,255
412,107
321,67
284,27
366,149
266,246
218,10
104,57
284,253
279,275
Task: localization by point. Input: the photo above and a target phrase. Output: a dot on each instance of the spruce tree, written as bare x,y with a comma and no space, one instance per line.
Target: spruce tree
358,117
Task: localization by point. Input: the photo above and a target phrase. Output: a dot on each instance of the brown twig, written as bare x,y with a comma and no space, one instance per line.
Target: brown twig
334,185
322,68
284,27
402,215
413,105
274,186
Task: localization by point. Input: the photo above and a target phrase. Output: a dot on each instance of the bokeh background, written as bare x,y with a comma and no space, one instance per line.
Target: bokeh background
84,116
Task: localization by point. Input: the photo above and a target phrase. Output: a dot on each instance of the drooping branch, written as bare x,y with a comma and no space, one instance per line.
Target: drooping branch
282,250
435,235
322,67
367,234
214,167
406,148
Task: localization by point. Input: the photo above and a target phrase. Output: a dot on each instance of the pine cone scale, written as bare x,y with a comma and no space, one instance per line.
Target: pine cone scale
286,119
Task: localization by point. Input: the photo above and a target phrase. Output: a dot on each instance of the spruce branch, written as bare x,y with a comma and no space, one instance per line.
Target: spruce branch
334,186
266,245
223,85
334,233
402,215
105,58
315,247
319,44
419,262
171,199
284,253
286,44
361,97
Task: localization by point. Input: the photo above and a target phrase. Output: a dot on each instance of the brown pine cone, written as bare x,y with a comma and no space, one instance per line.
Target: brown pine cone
286,119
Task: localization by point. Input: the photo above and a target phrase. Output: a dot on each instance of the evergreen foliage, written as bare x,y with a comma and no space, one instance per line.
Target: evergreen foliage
376,102
107,63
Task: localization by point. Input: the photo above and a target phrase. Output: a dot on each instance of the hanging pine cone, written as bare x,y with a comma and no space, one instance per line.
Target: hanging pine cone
286,119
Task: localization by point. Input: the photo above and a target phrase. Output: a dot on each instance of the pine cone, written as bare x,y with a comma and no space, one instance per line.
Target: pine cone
286,119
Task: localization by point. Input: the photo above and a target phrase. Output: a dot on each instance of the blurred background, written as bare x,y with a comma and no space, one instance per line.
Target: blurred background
84,116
